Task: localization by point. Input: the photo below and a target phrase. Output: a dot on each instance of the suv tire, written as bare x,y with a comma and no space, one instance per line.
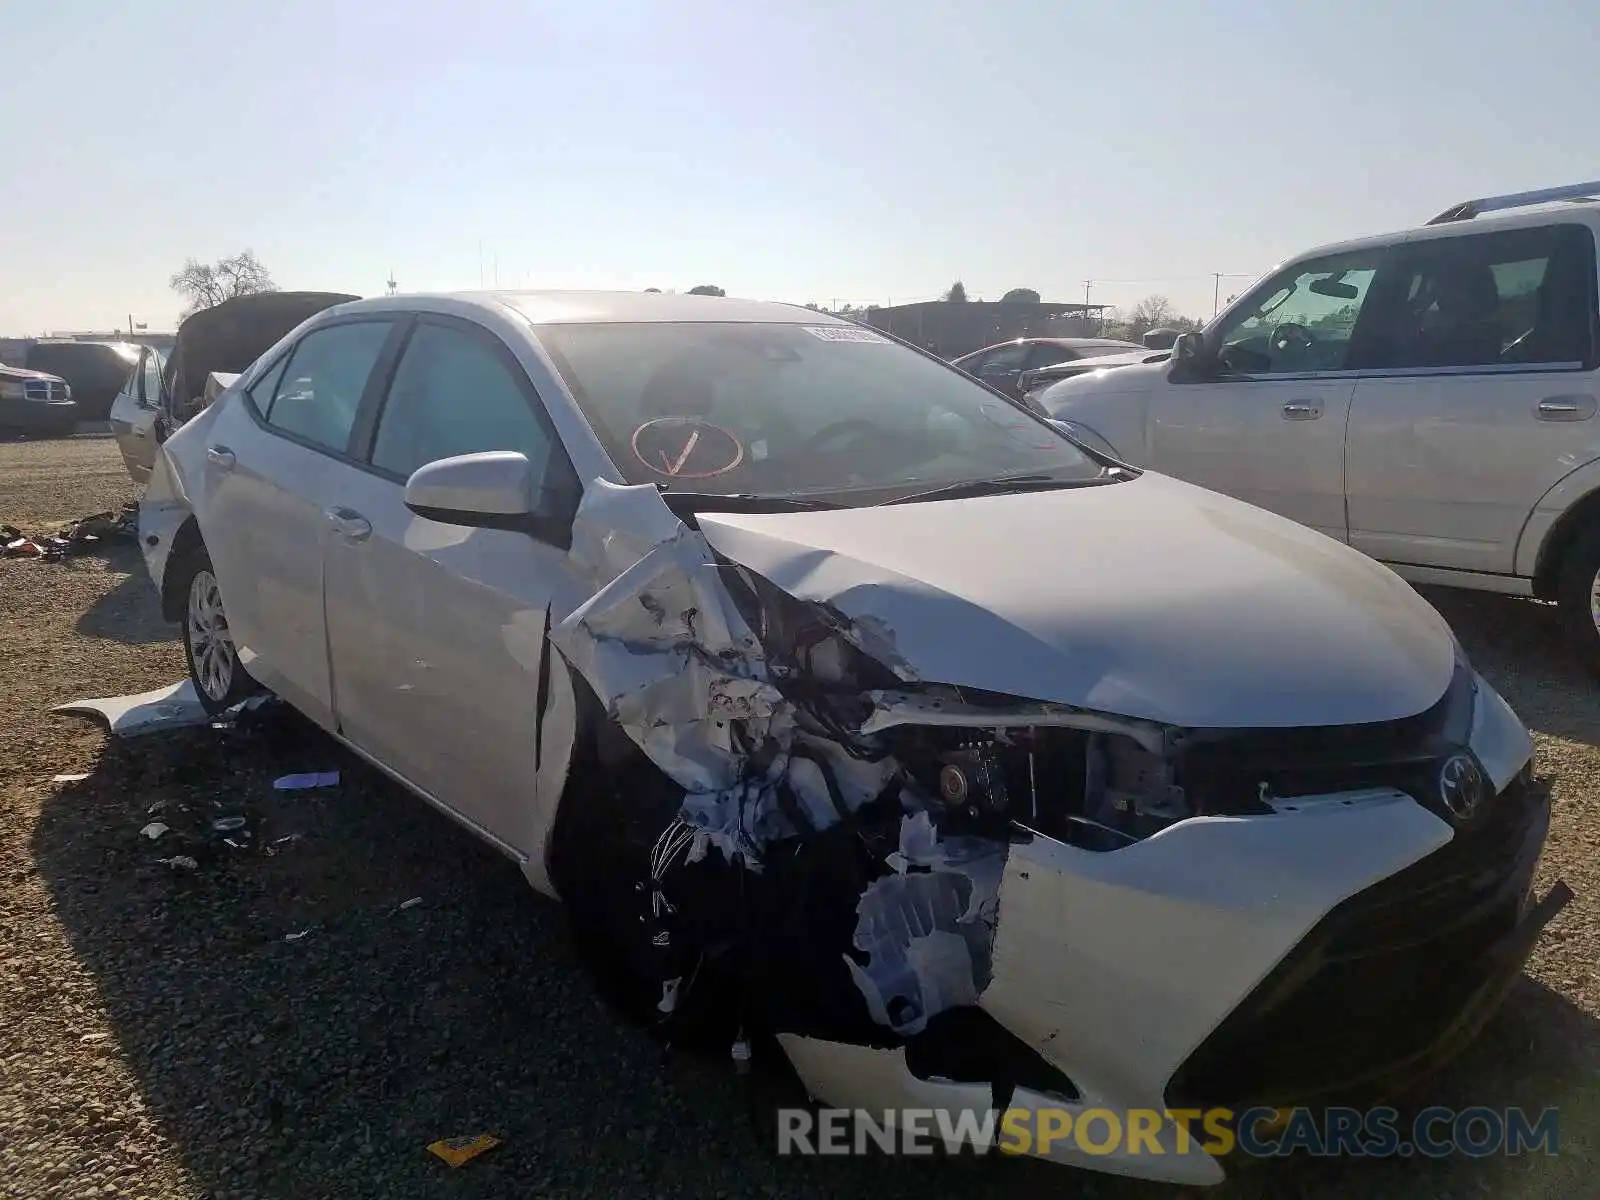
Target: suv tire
1578,594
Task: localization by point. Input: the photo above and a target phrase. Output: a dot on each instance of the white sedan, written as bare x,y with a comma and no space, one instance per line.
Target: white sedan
845,701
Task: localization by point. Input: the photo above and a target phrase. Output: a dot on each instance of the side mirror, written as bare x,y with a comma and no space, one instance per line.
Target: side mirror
495,489
492,490
1187,348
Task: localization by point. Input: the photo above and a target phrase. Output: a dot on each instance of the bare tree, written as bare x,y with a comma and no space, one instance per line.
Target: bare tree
205,285
1153,312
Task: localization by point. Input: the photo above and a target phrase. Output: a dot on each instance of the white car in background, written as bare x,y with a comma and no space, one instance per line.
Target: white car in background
1429,397
985,772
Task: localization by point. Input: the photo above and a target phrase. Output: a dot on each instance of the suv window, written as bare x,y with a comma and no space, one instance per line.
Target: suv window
1301,319
1516,297
319,390
455,393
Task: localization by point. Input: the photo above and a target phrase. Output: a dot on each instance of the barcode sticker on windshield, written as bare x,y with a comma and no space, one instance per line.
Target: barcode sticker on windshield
844,333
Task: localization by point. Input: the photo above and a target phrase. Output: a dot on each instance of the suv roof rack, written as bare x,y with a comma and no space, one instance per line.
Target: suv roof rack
1575,193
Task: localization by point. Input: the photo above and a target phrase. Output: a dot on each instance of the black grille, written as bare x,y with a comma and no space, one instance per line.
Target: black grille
44,389
1383,979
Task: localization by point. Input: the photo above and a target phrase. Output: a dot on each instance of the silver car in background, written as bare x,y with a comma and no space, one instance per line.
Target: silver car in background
844,700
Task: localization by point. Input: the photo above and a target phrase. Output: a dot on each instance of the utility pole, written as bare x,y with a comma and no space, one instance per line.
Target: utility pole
1216,292
1087,284
392,285
130,327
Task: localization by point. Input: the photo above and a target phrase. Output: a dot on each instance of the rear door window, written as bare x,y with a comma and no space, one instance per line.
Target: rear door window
1520,297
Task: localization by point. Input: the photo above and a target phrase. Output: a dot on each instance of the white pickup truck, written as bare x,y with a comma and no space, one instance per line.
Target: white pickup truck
1427,396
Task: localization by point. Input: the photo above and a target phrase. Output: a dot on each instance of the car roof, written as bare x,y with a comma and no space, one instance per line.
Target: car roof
568,307
1530,216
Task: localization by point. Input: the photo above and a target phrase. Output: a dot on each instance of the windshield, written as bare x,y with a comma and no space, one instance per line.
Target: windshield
783,409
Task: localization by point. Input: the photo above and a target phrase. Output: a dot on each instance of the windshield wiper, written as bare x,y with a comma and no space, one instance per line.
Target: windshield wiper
998,487
683,503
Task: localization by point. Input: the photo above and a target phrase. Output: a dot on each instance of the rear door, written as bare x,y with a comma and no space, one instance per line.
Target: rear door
437,632
1483,396
277,465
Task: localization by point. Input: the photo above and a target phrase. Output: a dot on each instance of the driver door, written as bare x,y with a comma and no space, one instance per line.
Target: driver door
1269,427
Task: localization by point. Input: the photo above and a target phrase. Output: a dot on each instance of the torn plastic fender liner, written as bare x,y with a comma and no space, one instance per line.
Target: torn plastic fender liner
928,928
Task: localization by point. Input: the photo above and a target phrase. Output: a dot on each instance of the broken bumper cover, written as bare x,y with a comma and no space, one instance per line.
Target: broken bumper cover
1387,985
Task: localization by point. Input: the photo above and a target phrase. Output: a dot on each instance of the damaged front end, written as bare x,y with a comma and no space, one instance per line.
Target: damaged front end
940,896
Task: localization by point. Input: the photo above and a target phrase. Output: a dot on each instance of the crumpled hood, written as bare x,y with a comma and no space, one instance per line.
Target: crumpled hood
1149,598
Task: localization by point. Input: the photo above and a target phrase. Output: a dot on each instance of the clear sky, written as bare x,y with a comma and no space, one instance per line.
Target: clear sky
867,152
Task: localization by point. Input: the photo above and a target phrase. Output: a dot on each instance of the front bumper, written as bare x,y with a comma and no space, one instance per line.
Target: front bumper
35,416
1323,952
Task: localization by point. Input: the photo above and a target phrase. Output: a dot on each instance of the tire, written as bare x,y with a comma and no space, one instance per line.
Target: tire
220,680
1578,595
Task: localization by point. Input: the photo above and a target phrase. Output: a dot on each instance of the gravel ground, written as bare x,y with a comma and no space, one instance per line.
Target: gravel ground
161,1038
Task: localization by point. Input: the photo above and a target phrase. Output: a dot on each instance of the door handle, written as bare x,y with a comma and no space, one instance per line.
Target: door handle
348,524
1302,410
1565,408
221,457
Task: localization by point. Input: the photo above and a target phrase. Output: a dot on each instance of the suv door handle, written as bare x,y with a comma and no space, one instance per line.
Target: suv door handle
221,457
1566,408
348,524
1302,410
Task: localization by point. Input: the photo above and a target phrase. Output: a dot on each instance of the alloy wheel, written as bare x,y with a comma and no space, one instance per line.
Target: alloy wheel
210,642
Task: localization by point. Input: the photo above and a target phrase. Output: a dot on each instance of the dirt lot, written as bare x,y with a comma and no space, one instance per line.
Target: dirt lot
159,1037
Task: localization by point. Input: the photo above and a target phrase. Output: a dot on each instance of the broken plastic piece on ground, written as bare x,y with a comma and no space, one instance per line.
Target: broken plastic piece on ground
227,824
295,937
309,779
180,862
411,903
288,837
165,708
154,830
459,1151
69,778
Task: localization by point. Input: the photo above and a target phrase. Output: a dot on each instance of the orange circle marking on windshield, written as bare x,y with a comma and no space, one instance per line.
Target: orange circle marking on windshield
674,458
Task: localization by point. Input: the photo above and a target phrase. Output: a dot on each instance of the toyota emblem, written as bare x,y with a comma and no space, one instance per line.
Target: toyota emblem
1461,785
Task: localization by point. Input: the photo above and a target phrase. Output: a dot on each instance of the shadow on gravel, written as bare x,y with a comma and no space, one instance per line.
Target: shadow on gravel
127,612
1519,646
323,1065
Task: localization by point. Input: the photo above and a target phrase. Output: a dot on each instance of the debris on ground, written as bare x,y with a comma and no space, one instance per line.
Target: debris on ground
173,707
295,937
154,830
411,903
460,1151
164,708
82,536
180,862
306,781
69,778
227,824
